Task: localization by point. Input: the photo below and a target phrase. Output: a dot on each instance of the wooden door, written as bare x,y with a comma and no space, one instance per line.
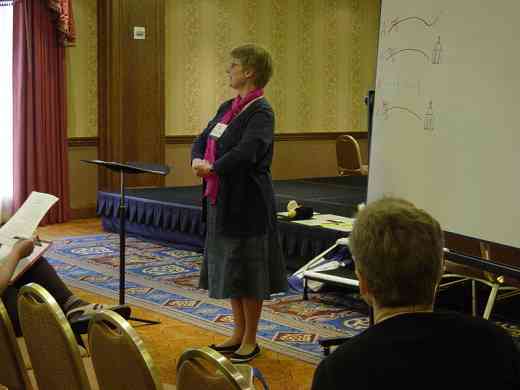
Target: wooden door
131,87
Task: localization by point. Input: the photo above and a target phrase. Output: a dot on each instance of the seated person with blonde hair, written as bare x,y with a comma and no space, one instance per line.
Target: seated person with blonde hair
398,253
77,311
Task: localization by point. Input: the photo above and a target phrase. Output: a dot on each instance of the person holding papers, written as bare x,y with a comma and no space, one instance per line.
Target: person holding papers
77,311
243,260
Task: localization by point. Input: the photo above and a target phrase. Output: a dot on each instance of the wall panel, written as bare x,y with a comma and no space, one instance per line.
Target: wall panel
323,51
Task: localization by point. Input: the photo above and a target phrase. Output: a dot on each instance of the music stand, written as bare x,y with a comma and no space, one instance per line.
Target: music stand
130,168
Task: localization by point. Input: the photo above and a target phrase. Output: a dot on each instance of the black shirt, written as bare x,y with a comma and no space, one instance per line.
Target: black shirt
245,199
424,350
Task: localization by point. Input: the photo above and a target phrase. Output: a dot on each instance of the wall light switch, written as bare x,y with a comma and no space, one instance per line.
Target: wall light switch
139,32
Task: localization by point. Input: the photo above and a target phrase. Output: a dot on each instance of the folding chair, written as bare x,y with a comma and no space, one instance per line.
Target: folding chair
336,273
322,270
500,288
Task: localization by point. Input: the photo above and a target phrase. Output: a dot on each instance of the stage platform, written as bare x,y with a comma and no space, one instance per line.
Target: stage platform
174,214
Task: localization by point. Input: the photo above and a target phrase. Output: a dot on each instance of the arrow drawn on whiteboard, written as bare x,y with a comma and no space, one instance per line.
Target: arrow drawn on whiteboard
434,58
387,108
391,53
397,21
428,119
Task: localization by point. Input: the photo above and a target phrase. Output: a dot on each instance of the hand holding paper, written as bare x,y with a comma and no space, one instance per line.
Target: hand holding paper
23,224
23,248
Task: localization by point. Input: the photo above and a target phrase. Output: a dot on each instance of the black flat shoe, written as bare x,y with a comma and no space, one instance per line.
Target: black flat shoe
238,358
226,349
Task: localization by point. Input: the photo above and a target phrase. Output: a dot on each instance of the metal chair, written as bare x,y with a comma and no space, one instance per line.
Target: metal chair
500,288
111,335
348,154
204,368
51,343
14,373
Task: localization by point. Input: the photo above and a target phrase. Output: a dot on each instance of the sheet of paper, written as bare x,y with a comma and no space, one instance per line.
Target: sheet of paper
286,214
25,221
308,222
4,251
329,221
331,218
336,222
7,242
344,227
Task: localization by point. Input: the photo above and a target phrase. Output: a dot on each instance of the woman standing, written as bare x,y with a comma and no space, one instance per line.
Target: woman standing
243,260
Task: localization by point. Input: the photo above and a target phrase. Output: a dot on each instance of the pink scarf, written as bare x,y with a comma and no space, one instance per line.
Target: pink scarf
211,145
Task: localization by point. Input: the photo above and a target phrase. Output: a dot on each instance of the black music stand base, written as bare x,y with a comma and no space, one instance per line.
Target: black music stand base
133,168
122,255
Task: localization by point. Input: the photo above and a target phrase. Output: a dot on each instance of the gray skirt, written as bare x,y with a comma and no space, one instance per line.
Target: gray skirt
236,267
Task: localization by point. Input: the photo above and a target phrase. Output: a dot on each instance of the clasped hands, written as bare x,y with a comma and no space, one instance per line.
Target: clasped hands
201,168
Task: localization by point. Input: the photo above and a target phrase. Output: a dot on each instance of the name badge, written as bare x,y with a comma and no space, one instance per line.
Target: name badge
218,130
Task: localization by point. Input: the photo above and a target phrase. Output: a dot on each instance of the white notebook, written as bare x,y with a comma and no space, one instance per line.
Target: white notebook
23,224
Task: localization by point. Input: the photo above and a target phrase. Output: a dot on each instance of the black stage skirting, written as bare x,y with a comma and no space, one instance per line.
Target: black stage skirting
173,214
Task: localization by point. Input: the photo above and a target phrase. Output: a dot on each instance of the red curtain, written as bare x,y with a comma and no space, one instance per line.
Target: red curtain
64,20
40,108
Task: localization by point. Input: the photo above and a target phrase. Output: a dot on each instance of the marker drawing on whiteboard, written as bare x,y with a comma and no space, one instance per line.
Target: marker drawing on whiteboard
437,50
428,117
394,24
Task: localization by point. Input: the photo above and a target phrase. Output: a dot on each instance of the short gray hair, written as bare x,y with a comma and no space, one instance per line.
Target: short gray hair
398,250
256,58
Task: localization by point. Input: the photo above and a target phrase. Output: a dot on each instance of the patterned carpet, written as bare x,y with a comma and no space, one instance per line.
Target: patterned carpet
164,279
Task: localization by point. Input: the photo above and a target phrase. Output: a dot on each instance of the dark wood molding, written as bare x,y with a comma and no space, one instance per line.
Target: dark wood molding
179,139
77,142
83,213
317,136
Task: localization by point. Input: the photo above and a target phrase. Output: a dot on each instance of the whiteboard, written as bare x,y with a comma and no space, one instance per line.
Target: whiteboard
447,113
